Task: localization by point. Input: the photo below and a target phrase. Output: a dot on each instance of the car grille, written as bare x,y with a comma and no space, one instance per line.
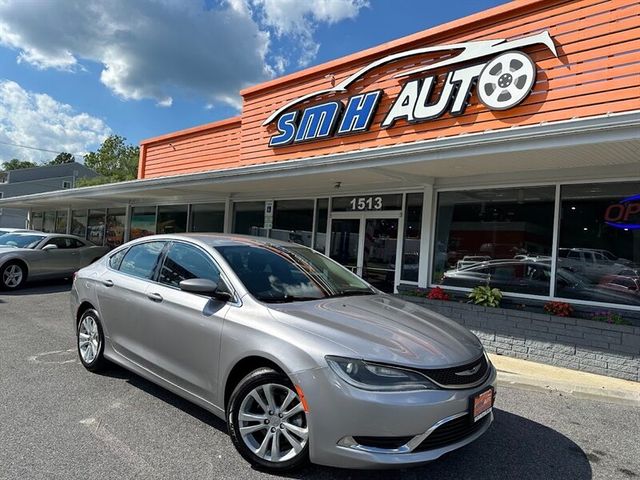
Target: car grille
451,377
452,432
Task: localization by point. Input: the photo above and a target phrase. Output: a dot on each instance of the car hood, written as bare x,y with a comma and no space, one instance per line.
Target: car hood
385,329
4,250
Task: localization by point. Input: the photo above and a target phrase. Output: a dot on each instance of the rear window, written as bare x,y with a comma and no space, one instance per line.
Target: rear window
116,259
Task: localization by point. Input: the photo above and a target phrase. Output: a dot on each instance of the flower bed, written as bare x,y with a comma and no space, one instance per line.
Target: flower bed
524,331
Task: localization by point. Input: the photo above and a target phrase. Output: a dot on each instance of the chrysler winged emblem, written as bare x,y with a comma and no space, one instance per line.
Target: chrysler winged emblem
471,371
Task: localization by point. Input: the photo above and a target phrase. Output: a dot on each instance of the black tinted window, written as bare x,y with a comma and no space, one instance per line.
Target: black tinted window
183,262
141,260
63,242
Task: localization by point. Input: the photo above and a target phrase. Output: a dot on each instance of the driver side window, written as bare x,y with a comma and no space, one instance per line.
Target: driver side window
184,262
62,242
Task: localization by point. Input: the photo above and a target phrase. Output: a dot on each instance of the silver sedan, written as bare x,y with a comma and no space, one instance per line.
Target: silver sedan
30,255
303,359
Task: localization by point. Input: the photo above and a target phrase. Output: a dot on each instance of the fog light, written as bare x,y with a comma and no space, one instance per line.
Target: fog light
347,442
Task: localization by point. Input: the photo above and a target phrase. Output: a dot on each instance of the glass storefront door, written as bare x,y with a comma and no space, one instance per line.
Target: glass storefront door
345,242
367,245
379,252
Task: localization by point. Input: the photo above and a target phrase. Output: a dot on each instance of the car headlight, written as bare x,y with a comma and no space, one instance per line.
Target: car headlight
373,376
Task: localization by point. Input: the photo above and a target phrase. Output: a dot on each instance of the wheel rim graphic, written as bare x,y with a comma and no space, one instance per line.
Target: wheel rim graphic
506,80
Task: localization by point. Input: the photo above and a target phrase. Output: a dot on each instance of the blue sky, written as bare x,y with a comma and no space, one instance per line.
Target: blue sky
71,73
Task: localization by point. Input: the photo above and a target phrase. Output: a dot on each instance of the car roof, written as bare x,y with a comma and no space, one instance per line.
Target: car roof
226,239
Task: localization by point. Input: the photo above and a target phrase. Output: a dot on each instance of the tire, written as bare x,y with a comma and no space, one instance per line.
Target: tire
90,341
289,426
13,276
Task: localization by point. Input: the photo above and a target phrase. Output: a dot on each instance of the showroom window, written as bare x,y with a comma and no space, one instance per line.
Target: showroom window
599,243
115,227
48,222
143,222
36,220
322,213
293,221
501,236
412,230
61,221
207,217
79,223
248,218
96,227
172,219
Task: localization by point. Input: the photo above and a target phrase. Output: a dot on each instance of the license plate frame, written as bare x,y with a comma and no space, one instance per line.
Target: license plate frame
481,404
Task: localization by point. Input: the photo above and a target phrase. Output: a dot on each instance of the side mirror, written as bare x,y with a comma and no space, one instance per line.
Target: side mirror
50,246
204,286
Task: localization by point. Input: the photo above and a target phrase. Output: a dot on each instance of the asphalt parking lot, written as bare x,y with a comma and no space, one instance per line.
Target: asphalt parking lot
58,421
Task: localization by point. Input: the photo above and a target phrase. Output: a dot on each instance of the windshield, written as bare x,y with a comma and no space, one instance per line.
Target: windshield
20,240
277,274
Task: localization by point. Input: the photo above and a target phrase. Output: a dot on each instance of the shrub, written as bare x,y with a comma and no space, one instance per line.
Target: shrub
486,296
609,317
559,309
438,293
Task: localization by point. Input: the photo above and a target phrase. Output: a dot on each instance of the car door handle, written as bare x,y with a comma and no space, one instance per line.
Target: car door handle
107,283
156,297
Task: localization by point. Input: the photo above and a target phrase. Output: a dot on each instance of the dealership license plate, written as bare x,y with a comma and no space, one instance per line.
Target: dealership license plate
482,404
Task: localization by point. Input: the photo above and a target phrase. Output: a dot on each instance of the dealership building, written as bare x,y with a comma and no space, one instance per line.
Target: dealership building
503,146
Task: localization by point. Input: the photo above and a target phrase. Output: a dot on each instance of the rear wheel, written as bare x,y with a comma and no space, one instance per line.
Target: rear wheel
13,275
90,340
267,422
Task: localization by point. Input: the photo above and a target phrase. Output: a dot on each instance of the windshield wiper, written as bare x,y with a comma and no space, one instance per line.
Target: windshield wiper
348,292
288,299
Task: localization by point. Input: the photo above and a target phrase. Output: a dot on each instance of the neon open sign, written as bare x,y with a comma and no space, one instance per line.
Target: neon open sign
621,214
501,82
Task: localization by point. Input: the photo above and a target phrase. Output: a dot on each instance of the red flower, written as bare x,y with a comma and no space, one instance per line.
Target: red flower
559,309
438,293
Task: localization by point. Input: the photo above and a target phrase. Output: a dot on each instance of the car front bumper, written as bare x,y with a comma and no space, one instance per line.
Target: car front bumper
339,415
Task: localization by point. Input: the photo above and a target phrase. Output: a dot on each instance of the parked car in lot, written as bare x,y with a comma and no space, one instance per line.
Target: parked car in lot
4,231
34,255
533,277
302,358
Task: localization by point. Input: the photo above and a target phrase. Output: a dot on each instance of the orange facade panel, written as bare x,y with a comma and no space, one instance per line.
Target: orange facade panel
594,70
207,147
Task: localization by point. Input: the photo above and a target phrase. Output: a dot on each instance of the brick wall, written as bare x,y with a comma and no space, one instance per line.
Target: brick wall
587,345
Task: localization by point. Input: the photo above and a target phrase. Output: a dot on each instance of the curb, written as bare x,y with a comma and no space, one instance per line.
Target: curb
623,397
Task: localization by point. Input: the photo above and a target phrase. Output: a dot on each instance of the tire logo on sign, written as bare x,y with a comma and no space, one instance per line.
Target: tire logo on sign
506,80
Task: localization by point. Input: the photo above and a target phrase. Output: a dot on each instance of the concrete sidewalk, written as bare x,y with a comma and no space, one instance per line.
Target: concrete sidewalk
538,376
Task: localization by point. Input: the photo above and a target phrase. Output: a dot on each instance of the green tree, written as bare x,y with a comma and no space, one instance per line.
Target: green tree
115,161
15,164
63,157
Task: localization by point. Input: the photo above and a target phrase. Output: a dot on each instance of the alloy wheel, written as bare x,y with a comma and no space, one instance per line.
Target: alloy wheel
88,339
272,422
12,276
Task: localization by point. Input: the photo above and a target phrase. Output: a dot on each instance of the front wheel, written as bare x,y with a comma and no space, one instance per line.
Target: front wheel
12,276
90,340
267,422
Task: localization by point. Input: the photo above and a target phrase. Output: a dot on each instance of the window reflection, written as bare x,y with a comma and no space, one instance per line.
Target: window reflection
499,235
293,221
599,244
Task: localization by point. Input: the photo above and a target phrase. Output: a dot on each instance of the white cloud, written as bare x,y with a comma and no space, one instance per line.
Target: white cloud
155,49
148,49
299,19
36,119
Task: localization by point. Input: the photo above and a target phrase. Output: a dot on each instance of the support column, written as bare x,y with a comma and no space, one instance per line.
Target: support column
426,236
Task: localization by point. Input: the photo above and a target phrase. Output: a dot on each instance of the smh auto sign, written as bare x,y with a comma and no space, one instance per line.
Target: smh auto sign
502,81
